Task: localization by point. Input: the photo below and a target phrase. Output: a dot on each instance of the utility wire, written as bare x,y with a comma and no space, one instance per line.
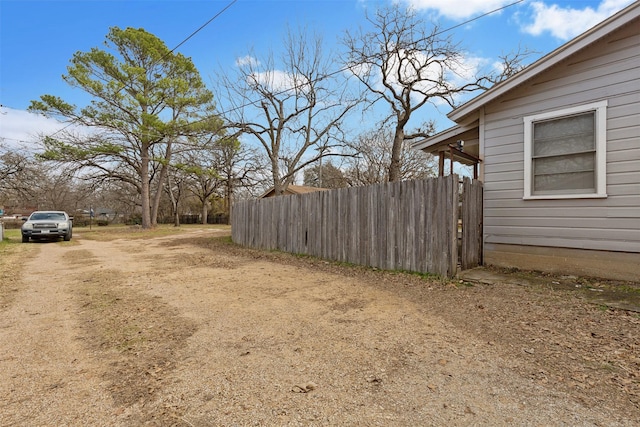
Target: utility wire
172,50
320,78
480,16
204,25
347,68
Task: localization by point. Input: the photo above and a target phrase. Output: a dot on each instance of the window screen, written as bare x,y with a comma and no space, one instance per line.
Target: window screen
564,155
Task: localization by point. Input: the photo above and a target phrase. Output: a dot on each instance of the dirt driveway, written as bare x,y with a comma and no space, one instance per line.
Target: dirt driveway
189,330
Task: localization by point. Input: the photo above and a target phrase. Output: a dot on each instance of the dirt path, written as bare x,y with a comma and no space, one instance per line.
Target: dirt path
189,330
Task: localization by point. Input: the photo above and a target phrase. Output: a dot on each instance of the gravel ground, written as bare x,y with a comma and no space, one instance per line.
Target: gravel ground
190,330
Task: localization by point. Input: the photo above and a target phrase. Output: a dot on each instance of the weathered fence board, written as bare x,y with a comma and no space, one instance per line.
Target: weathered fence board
471,245
411,225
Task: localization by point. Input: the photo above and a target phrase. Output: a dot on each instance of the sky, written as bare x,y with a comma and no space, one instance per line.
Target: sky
39,37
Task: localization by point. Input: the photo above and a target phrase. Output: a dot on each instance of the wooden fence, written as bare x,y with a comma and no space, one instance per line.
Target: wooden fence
410,225
471,216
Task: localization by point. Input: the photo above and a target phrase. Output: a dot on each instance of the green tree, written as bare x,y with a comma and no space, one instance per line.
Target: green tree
145,100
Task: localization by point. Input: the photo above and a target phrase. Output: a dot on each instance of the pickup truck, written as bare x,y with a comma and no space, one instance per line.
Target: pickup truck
47,225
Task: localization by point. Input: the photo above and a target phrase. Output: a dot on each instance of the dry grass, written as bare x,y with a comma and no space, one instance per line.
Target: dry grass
12,254
190,329
135,232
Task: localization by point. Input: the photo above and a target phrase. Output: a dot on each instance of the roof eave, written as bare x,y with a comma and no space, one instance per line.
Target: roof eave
431,144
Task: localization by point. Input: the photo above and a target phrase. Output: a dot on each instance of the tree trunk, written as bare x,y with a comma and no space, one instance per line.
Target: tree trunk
176,217
205,212
396,155
275,174
161,179
144,185
174,202
227,201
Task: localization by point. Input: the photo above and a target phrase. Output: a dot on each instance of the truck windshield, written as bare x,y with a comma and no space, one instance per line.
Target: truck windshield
54,216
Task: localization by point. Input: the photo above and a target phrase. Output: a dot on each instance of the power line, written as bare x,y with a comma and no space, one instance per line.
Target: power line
320,78
204,25
480,16
346,68
172,50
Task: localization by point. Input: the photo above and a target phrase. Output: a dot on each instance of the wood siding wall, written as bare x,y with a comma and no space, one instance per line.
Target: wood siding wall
608,70
409,225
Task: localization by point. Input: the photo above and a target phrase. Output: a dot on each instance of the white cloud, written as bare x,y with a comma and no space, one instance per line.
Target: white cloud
274,80
566,22
466,69
563,22
247,60
277,81
457,9
19,128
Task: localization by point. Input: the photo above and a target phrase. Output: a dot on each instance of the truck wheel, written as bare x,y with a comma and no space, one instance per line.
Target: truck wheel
25,239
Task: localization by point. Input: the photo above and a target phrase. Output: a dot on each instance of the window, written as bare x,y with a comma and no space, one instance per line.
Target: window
565,153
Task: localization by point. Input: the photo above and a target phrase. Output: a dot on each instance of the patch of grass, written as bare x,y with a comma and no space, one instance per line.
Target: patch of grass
12,254
135,332
113,314
628,289
98,300
11,246
11,236
225,239
423,276
345,264
465,284
608,367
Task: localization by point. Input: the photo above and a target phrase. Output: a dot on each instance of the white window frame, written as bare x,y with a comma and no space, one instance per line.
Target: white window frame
600,109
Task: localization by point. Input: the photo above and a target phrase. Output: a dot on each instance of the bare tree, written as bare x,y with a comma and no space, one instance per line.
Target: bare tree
240,166
26,182
121,198
11,164
371,165
216,169
18,176
406,65
290,107
200,169
175,187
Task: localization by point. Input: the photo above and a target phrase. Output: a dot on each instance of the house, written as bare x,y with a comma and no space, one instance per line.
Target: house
558,150
292,189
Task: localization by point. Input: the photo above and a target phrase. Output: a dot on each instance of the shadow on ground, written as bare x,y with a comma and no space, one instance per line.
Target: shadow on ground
610,293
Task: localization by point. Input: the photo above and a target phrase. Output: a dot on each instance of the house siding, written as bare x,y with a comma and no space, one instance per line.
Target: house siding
607,70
